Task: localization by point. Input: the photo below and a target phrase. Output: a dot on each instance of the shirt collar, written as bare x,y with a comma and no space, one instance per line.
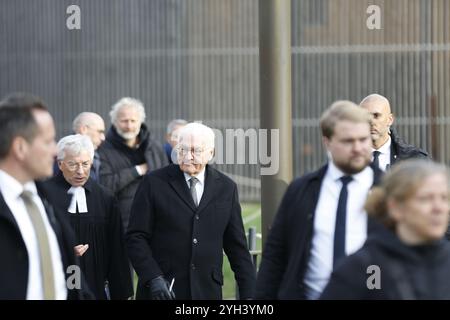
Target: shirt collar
9,185
385,148
78,199
200,176
75,189
335,173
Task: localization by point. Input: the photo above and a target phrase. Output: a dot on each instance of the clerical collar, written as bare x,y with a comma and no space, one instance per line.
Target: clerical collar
78,200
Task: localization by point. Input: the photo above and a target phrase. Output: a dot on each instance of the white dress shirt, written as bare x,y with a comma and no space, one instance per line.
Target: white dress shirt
320,264
384,158
11,190
200,186
78,200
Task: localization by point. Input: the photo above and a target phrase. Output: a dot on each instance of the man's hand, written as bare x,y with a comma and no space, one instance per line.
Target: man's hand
80,249
159,289
143,168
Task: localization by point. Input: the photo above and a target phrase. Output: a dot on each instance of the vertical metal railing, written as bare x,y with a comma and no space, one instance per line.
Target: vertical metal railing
254,252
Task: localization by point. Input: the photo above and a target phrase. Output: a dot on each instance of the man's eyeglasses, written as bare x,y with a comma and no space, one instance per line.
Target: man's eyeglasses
73,166
195,151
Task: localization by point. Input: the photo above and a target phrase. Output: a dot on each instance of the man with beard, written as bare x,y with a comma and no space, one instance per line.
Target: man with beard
388,147
128,153
321,217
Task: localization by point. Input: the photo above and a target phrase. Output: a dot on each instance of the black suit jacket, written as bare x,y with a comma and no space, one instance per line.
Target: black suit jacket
168,236
400,150
101,228
287,249
14,266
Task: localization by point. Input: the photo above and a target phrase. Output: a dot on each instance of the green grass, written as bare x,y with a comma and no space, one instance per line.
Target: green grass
251,214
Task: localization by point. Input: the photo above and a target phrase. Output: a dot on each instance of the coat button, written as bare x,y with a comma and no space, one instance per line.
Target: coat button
194,241
197,217
192,266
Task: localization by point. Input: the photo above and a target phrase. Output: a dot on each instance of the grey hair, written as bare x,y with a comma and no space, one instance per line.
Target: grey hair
74,144
198,129
127,102
83,119
177,122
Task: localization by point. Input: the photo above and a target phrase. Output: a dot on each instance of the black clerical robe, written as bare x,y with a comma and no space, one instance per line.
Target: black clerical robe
100,228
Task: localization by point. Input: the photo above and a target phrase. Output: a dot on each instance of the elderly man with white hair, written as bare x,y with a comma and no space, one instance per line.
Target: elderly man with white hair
93,213
92,125
184,216
128,153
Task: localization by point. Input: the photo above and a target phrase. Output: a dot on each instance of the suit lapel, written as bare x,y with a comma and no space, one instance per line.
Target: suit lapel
55,190
179,184
43,192
6,214
209,190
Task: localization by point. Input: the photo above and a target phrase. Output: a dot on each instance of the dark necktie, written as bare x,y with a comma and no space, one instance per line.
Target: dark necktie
341,217
45,257
376,161
192,182
95,170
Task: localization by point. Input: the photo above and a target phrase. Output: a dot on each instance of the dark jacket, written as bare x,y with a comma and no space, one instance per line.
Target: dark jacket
168,150
405,272
400,150
169,236
100,228
14,266
118,161
287,250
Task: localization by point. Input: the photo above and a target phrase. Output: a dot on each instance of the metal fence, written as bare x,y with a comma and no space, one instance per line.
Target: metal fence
198,60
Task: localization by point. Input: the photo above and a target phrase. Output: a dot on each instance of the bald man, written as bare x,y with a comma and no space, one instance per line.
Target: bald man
92,125
388,147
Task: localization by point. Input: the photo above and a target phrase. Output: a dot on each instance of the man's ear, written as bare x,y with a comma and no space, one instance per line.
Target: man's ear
326,142
390,119
83,130
59,164
211,154
20,148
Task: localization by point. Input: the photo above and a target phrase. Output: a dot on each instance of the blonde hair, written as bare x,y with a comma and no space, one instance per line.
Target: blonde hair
340,111
400,184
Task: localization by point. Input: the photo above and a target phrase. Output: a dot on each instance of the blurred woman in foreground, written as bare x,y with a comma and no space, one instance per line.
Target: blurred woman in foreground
409,258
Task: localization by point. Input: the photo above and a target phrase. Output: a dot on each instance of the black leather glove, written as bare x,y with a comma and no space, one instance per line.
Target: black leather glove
159,289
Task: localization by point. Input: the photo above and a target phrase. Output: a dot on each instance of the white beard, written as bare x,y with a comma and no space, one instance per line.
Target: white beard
127,135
